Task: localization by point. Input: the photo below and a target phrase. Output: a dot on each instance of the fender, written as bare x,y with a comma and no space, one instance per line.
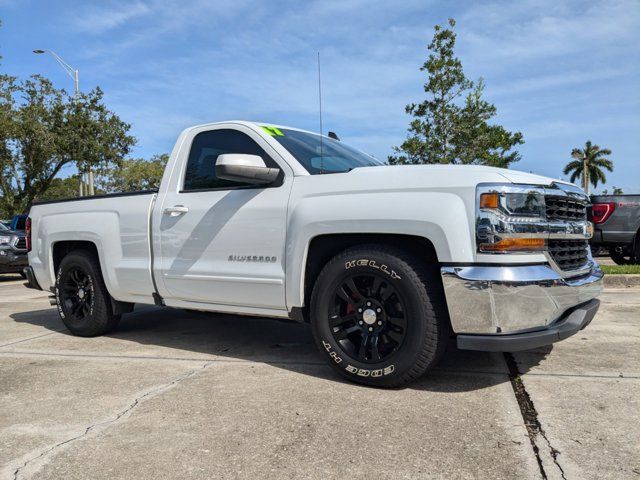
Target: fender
414,213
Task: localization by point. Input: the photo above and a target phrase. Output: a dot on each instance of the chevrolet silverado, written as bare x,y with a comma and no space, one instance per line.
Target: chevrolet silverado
387,263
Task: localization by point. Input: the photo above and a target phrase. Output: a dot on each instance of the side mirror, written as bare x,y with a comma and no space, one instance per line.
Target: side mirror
242,168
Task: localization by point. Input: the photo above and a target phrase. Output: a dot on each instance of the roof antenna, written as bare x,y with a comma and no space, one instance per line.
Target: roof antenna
320,104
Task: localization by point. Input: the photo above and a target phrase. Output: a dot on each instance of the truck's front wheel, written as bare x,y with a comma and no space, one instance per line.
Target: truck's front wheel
378,316
83,301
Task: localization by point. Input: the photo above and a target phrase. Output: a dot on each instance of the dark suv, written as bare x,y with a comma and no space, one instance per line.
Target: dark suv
13,250
616,220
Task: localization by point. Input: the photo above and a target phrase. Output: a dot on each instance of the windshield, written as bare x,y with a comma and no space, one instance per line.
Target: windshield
3,227
333,157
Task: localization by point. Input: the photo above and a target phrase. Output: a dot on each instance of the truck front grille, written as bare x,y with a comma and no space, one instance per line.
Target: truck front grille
569,254
563,208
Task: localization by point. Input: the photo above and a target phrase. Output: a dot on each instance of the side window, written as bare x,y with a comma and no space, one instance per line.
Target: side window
206,146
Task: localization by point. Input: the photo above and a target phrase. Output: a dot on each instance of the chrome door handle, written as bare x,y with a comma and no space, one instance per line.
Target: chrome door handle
176,210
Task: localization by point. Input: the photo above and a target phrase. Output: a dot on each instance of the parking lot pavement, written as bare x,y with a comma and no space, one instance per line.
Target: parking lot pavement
175,394
586,392
605,261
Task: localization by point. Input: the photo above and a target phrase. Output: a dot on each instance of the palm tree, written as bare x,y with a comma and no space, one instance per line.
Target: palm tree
589,165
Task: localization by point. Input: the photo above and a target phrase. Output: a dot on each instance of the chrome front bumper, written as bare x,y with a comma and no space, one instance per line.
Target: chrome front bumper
505,299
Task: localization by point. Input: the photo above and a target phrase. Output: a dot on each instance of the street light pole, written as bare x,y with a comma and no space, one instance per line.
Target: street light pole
75,76
76,83
72,72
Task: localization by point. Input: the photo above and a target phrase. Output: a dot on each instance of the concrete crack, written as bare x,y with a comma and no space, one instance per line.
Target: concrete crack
545,454
31,338
102,425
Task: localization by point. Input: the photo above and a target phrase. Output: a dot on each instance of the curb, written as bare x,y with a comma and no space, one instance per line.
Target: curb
621,281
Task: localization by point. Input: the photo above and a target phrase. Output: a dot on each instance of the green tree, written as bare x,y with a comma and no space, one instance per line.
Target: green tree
617,191
135,174
588,165
451,124
61,188
43,129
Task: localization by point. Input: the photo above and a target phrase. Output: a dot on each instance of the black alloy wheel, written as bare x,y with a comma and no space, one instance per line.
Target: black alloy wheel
77,294
84,304
368,318
378,315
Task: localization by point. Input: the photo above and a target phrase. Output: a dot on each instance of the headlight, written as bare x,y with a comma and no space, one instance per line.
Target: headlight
4,240
510,218
513,204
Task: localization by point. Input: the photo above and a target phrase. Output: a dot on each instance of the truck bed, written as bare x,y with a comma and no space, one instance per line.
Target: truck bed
119,227
96,197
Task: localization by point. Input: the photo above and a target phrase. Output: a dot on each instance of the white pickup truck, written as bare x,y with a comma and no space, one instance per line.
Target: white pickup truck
387,263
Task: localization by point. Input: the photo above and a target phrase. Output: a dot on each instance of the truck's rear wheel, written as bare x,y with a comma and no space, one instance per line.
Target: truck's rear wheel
377,316
84,304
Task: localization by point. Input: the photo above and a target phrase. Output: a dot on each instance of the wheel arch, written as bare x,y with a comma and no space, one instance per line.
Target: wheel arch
323,248
61,249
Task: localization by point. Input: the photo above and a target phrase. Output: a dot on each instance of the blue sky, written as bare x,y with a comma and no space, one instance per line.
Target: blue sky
559,72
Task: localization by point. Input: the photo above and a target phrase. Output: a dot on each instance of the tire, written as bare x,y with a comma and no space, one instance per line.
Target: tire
621,258
387,296
84,304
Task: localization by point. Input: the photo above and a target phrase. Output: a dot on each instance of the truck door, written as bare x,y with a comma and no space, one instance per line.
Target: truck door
222,242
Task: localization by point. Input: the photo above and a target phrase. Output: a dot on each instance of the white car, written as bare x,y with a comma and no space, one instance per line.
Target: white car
387,263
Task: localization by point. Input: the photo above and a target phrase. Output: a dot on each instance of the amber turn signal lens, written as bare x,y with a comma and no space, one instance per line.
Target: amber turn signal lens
489,200
514,245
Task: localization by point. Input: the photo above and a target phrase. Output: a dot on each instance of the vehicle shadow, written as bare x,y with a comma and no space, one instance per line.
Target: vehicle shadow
180,334
9,277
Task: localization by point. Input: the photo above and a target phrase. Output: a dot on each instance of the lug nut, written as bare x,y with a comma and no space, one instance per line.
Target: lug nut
368,304
379,323
378,310
371,329
359,310
360,322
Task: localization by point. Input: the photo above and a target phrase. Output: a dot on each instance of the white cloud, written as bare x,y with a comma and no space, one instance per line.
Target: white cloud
531,28
98,20
532,83
555,70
